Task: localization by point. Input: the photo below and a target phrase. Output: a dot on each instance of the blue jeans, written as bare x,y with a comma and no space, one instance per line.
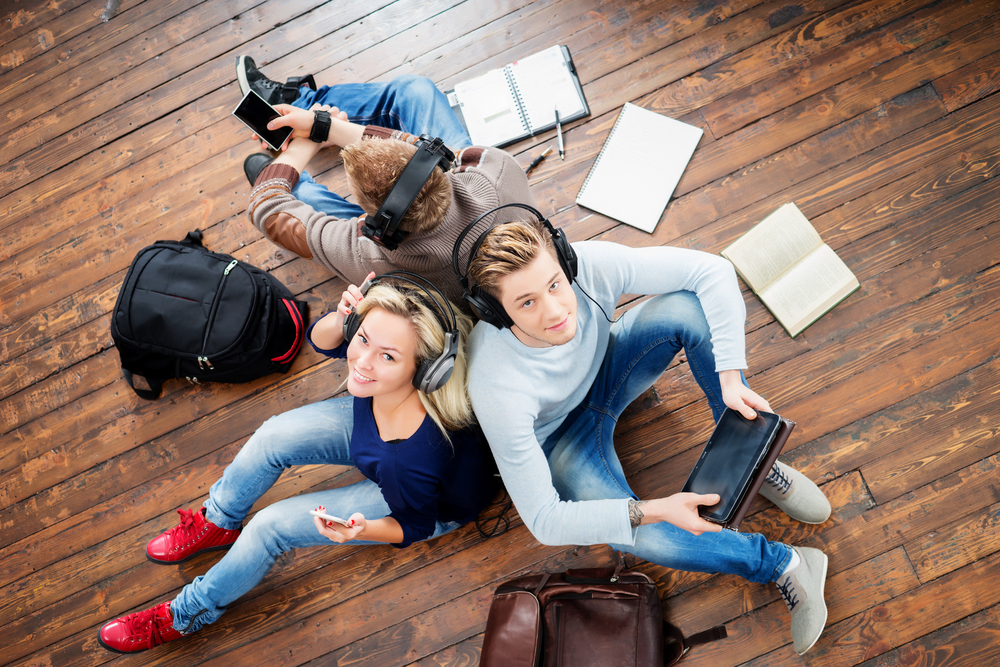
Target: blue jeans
318,433
581,451
409,103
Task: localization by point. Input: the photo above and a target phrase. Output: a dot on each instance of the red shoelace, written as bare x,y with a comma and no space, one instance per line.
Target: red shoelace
145,625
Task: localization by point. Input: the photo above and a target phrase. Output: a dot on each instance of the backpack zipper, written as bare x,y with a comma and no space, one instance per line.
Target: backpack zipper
203,361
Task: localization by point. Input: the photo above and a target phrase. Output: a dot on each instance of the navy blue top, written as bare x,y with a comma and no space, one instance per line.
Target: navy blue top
423,478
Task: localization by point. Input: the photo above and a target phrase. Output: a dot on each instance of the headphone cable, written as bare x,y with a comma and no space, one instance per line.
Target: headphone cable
603,312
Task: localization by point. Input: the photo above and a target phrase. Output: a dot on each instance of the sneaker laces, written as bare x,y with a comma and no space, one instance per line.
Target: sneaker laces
186,528
788,593
778,479
146,625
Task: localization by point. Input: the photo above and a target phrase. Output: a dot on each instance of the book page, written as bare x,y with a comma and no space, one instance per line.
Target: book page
810,288
639,167
544,82
489,108
773,246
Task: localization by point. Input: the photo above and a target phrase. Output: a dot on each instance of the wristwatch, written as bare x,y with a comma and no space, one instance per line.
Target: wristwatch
320,131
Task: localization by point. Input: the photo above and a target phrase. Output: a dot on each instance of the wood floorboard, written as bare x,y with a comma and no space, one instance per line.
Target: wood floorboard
879,118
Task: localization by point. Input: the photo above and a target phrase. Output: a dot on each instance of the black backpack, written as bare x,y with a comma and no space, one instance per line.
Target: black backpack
184,311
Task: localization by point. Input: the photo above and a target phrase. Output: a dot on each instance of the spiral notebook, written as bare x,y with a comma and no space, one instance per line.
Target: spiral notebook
519,100
639,166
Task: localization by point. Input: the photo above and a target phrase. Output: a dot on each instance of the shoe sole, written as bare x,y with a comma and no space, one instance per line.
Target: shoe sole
241,75
826,611
186,559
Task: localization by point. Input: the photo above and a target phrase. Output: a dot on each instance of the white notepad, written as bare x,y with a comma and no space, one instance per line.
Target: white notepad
640,165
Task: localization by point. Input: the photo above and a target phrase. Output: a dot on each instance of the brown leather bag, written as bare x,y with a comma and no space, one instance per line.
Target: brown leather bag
579,618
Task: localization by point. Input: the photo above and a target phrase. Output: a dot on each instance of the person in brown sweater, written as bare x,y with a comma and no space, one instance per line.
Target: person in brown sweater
375,125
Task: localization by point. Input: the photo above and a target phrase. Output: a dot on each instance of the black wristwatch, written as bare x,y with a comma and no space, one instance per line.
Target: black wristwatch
320,131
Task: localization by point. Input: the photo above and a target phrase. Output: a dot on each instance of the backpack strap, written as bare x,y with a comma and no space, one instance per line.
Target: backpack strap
151,394
676,646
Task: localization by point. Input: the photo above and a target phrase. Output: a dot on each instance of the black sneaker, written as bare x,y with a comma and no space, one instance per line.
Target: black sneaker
251,78
254,164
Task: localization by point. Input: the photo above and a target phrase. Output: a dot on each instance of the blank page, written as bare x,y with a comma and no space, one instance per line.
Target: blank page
639,167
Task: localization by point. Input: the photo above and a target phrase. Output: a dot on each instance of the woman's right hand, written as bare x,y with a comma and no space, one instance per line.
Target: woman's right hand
329,331
341,534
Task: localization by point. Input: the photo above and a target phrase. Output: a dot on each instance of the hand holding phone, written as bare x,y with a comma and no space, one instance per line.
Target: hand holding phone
321,513
255,113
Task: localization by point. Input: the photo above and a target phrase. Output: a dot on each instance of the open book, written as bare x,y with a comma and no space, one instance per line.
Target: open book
785,262
519,100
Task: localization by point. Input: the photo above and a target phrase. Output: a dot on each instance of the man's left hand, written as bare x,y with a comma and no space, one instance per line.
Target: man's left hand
740,397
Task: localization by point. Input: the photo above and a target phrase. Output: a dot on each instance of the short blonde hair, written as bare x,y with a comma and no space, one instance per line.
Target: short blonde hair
507,248
449,406
374,165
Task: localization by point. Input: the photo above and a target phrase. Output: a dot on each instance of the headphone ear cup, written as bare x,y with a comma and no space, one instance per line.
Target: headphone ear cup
488,308
351,325
564,252
422,370
432,374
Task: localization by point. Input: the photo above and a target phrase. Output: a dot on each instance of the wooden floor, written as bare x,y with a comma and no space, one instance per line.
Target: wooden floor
879,118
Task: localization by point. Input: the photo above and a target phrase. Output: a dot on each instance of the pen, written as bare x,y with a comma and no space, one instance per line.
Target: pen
537,160
562,149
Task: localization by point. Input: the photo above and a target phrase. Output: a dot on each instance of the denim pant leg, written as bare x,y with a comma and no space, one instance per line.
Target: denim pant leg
585,465
409,103
293,438
317,433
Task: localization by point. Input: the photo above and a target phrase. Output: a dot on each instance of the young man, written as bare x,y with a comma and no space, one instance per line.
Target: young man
377,126
548,390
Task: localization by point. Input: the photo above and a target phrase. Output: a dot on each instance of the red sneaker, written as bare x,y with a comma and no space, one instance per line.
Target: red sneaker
139,631
192,536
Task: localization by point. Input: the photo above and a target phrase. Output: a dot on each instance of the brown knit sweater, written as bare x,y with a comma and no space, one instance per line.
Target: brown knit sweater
481,179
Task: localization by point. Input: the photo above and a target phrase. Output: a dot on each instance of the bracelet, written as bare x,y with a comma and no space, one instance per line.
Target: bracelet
320,131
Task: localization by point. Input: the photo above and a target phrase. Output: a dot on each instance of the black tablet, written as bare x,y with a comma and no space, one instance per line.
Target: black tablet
730,460
255,113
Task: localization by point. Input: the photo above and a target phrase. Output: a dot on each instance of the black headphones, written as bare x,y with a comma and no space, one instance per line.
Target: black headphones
381,227
486,306
431,373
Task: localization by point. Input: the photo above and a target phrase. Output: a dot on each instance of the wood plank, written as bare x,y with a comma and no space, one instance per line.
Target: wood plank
154,88
971,642
894,428
970,83
956,545
82,53
805,77
30,28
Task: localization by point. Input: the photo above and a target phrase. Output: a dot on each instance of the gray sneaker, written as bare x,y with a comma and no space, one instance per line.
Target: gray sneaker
795,494
802,591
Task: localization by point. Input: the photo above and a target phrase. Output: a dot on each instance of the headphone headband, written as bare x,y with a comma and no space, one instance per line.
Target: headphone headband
383,226
488,307
431,374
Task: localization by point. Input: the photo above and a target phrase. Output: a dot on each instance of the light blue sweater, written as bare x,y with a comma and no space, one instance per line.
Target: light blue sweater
522,394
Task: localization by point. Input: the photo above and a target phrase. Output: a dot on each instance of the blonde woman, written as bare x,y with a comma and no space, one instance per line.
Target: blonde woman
426,471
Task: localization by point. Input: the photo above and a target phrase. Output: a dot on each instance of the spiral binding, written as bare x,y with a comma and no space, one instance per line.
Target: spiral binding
517,98
597,160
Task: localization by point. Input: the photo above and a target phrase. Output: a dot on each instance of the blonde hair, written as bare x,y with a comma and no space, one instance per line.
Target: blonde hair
449,406
507,248
374,165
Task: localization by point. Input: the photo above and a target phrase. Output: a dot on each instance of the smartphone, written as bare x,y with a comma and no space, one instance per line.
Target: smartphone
730,460
255,113
335,519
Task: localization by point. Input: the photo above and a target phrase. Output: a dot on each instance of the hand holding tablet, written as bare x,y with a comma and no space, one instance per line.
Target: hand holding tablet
731,460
